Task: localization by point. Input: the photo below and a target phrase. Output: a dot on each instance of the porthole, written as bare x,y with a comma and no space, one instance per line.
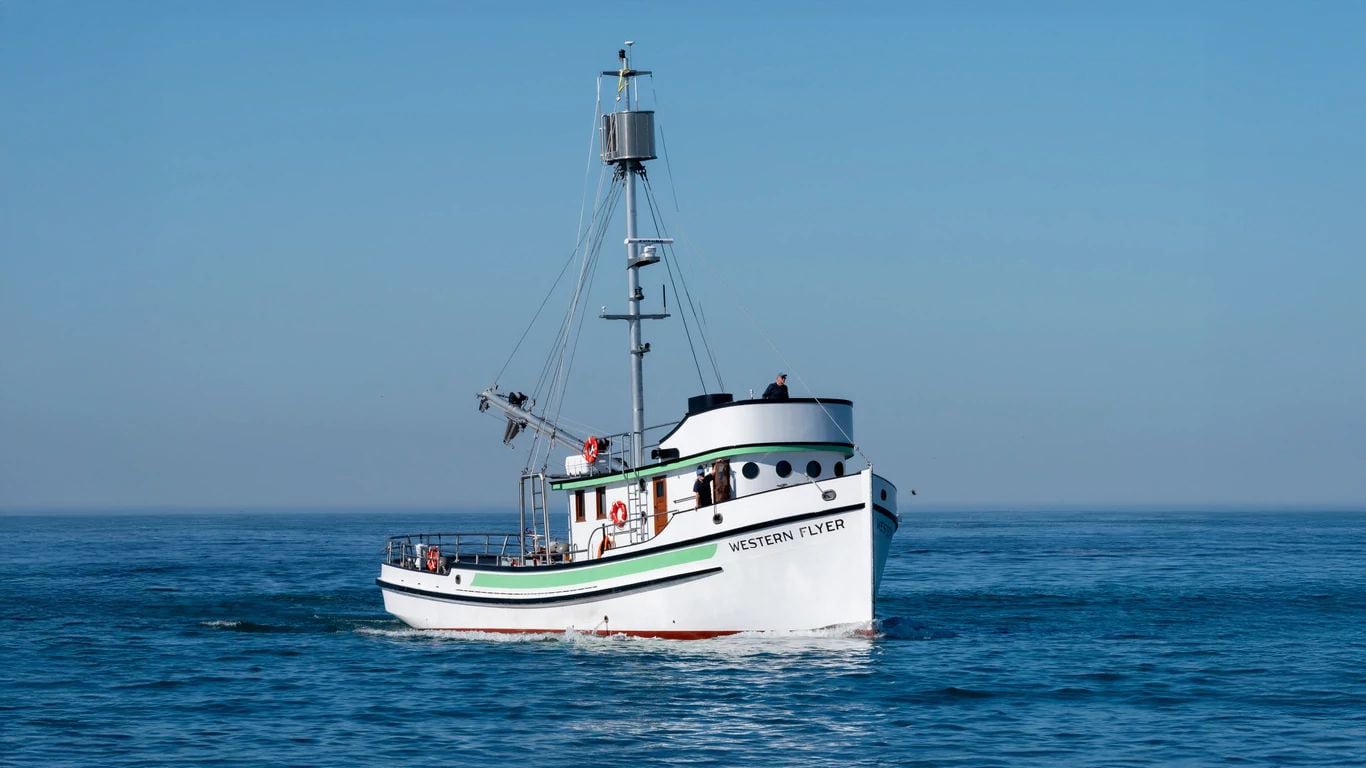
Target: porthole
750,470
813,469
884,494
784,468
839,469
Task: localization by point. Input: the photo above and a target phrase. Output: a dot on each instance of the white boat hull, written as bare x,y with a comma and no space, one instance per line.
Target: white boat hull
803,557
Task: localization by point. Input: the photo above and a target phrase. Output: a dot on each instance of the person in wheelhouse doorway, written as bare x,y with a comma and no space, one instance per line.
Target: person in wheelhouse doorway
720,481
701,489
778,389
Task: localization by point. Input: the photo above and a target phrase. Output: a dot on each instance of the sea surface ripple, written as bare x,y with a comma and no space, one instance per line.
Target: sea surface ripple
1007,638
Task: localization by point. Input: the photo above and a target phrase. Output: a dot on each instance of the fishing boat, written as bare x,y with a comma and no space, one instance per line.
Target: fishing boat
744,515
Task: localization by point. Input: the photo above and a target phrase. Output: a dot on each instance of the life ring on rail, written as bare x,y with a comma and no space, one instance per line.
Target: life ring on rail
604,545
619,513
433,558
590,450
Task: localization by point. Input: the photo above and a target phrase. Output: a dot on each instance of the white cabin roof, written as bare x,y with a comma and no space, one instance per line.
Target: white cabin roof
759,422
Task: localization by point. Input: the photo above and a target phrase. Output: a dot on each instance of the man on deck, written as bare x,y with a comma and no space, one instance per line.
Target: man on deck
702,488
778,389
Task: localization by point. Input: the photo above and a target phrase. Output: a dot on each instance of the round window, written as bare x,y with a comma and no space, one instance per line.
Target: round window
750,470
884,494
839,469
813,469
784,468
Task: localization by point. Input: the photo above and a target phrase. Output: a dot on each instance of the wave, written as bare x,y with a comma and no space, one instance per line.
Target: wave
899,628
250,626
590,638
408,633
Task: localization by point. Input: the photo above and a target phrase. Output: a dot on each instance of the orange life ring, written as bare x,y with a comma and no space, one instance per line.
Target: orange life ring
433,558
619,513
590,450
604,545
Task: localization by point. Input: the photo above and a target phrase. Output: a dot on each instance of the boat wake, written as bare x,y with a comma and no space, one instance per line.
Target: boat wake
589,638
465,635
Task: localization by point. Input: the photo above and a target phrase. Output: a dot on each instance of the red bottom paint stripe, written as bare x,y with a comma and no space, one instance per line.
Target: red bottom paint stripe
662,634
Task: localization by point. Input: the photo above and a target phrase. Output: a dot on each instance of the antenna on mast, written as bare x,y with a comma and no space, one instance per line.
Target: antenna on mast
628,141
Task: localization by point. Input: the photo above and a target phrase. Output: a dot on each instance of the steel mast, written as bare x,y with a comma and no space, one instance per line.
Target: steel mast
628,140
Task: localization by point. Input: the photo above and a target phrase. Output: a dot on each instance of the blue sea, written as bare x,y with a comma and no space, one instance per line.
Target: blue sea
1007,638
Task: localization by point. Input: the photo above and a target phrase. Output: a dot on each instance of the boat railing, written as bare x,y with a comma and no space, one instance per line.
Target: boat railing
609,536
439,552
619,452
637,530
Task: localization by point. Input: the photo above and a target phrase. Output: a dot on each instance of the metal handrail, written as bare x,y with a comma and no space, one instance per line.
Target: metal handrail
618,454
502,548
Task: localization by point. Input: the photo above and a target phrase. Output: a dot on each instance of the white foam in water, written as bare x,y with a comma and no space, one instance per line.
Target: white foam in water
408,633
589,638
220,624
855,631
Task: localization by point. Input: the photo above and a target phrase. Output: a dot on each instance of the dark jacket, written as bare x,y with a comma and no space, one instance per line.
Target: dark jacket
776,391
703,490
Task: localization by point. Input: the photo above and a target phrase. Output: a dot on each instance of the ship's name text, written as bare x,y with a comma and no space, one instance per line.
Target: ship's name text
801,532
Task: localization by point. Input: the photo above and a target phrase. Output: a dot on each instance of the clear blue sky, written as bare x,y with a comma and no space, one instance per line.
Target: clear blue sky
264,254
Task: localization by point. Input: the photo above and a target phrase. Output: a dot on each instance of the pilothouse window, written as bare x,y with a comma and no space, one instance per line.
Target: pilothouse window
750,470
578,506
813,469
784,468
602,503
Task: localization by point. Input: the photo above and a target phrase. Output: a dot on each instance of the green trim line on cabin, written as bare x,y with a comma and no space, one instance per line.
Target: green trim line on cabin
703,458
608,570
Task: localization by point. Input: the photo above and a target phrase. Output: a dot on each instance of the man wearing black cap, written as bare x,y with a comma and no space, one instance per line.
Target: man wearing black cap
778,389
701,489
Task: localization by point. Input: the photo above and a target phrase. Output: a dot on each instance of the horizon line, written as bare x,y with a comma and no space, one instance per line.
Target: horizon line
1030,507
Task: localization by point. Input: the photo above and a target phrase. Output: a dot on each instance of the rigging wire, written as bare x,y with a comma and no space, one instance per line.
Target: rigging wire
593,235
578,238
579,233
672,253
573,353
536,316
560,359
787,366
687,292
668,263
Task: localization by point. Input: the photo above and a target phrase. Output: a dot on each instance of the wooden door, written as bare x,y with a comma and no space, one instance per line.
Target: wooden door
661,504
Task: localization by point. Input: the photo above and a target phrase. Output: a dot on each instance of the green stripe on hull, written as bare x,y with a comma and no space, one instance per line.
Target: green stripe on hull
607,570
699,459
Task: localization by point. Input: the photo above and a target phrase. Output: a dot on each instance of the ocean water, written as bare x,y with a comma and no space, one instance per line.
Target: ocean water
1080,639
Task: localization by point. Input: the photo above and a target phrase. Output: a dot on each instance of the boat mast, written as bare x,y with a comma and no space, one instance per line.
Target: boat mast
628,140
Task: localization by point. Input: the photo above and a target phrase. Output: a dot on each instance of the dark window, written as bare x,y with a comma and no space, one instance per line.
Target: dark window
602,503
884,494
839,469
750,470
578,506
813,469
784,469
